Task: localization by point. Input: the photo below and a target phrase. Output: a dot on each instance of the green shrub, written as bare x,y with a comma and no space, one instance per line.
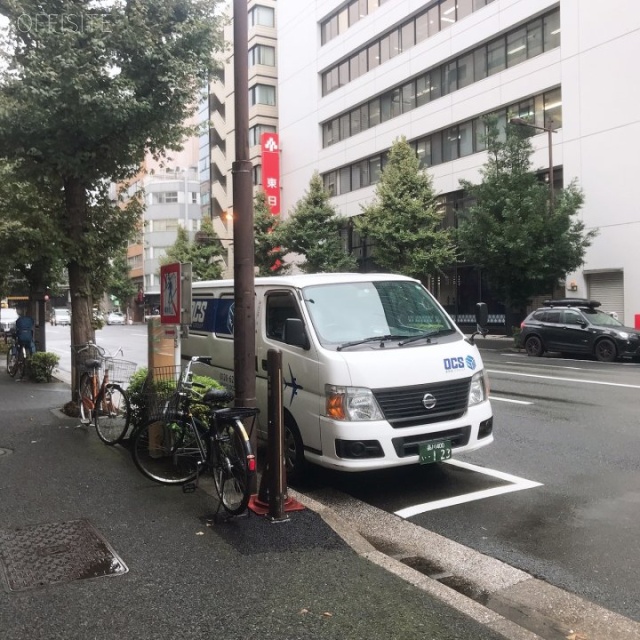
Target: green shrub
40,366
140,393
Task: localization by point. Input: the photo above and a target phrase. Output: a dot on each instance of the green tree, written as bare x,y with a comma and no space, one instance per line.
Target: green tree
204,252
120,284
313,231
80,106
404,222
268,255
523,244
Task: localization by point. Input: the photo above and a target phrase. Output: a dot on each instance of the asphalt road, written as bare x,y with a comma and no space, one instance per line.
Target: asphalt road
558,493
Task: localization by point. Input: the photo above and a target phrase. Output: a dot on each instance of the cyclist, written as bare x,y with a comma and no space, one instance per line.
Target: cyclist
24,330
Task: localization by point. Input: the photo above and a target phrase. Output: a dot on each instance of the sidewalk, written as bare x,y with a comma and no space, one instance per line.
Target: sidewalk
187,577
313,577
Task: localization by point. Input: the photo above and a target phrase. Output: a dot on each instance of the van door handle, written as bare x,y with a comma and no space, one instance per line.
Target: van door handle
264,365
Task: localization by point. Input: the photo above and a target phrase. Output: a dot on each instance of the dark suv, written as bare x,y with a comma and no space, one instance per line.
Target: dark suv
577,326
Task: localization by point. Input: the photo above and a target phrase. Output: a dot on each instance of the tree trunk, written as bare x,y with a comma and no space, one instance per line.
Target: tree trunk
79,281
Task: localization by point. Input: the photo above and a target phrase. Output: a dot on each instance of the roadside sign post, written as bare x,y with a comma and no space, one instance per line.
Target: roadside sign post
175,302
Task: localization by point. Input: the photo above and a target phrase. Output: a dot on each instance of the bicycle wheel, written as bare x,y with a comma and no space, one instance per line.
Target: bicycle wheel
85,398
232,473
112,414
168,451
20,364
11,362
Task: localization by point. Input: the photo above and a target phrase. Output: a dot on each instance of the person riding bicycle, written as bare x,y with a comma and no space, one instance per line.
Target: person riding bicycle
25,330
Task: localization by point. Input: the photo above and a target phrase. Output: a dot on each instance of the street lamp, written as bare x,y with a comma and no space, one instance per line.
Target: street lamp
524,123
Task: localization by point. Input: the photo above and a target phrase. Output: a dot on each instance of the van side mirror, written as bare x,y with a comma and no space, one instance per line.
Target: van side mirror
295,334
482,317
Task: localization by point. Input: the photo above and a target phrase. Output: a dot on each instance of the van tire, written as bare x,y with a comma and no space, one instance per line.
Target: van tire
293,450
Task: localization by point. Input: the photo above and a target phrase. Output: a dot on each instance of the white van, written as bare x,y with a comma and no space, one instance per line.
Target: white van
376,374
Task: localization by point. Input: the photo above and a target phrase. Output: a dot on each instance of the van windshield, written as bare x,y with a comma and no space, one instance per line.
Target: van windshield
354,311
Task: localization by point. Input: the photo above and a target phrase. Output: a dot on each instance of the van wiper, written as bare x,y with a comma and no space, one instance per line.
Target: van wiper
426,334
380,339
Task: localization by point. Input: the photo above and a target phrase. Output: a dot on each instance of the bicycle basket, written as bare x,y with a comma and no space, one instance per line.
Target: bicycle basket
160,395
120,371
84,352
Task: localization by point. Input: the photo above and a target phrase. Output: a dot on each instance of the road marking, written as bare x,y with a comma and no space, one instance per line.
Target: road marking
551,366
492,397
515,484
144,335
533,375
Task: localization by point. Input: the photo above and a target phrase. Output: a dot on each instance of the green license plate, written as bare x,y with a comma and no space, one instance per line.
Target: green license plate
434,451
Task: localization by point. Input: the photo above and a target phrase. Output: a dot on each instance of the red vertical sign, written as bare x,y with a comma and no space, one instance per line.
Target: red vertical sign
271,170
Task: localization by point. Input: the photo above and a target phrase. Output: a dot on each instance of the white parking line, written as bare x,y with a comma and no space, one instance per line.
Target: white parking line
492,397
532,375
515,484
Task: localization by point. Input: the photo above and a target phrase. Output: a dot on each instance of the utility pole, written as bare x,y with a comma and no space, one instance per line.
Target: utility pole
244,355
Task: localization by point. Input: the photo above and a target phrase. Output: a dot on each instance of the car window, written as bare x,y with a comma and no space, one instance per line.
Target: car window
552,316
600,318
539,315
573,317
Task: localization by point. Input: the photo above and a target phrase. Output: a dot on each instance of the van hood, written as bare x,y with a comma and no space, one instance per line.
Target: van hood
411,364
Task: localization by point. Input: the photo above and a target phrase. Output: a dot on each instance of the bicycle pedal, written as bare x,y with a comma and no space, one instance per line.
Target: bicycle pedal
189,487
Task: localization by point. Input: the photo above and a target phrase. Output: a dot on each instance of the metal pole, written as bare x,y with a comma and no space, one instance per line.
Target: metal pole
243,257
277,482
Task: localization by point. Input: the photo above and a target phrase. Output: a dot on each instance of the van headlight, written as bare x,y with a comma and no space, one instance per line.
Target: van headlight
479,390
355,404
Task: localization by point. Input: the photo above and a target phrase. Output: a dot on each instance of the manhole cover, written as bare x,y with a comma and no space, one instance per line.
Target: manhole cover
55,553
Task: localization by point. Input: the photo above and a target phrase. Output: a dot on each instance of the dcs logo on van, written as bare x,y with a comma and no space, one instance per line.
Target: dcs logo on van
457,363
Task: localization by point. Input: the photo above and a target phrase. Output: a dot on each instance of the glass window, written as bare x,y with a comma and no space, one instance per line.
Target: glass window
354,67
394,43
263,94
478,4
327,134
257,175
355,121
343,73
258,130
422,27
408,35
373,55
423,150
354,13
374,112
480,64
263,16
552,316
553,109
465,138
534,38
479,134
447,13
450,144
525,110
433,17
502,124
385,44
262,54
423,90
364,117
362,62
516,47
465,70
434,80
436,148
345,180
343,20
375,168
345,131
356,176
390,105
465,7
329,180
496,56
572,317
449,77
408,97
552,30
372,5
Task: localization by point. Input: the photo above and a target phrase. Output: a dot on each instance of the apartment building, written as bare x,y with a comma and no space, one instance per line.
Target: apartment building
355,75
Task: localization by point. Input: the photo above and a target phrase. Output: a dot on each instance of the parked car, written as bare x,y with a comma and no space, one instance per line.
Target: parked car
115,317
577,326
60,316
8,319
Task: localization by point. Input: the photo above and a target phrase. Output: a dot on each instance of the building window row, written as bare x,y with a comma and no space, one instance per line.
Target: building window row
170,224
456,141
526,42
262,54
437,17
262,94
260,16
338,22
164,197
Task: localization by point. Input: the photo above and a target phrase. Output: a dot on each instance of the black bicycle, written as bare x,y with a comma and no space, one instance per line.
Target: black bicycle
187,433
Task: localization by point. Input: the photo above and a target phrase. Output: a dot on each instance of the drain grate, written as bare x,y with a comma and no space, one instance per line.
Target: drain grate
55,553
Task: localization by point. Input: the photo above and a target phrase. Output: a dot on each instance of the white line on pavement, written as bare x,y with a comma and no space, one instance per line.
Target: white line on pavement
515,484
533,375
492,397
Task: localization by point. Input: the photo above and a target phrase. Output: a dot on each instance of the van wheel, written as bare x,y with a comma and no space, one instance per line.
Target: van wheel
293,450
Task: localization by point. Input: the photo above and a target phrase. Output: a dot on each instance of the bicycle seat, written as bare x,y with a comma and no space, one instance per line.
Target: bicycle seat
92,364
217,396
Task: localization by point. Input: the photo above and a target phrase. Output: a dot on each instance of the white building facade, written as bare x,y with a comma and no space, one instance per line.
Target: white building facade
354,76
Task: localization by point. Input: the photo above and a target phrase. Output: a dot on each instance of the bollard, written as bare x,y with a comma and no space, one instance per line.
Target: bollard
277,481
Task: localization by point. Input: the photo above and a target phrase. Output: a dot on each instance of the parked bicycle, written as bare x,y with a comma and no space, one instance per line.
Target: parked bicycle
174,447
17,356
103,402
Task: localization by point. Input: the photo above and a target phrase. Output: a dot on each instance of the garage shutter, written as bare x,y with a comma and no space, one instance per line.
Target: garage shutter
608,288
